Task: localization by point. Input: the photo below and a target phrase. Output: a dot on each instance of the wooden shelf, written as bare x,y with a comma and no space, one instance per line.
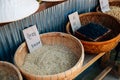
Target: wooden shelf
89,60
104,73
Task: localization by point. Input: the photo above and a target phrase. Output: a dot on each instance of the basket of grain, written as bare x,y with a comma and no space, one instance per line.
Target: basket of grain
60,58
114,9
9,72
106,20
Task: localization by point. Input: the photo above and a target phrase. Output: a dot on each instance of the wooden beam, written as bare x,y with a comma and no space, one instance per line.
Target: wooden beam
89,63
104,73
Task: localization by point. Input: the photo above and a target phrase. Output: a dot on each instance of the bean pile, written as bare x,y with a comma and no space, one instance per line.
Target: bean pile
92,30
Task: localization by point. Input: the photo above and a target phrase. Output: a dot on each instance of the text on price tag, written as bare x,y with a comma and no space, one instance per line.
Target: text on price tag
32,38
104,5
75,21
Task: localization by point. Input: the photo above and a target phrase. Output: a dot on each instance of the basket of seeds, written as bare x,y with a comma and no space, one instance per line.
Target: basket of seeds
9,72
114,9
91,23
60,58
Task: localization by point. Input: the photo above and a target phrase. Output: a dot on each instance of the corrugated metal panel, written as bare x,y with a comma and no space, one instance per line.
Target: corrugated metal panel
51,19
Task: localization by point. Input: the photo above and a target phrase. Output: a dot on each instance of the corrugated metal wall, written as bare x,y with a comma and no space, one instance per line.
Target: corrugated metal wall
51,19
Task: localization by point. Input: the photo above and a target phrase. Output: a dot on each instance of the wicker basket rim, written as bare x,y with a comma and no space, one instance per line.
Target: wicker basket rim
13,66
96,13
69,70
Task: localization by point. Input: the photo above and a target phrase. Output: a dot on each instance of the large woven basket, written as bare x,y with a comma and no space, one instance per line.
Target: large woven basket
105,20
10,69
53,38
111,3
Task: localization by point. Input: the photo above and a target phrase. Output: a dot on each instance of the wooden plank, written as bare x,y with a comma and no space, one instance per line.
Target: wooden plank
103,73
87,58
89,61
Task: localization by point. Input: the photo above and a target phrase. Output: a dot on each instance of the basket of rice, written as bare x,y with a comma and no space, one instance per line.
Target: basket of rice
60,58
107,43
114,9
9,72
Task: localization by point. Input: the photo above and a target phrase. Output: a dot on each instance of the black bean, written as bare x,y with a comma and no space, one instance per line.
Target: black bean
92,30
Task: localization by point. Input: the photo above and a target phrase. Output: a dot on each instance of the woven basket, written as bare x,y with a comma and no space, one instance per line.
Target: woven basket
53,38
111,3
105,20
10,69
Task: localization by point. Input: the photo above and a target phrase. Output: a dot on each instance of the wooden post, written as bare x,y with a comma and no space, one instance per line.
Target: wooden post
105,60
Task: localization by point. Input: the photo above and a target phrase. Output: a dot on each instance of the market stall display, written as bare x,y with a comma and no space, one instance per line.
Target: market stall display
53,38
107,43
51,17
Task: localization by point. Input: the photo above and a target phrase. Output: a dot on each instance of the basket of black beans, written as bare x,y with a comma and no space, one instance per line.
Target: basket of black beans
99,32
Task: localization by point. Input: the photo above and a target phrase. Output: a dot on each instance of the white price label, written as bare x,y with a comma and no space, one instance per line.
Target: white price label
32,38
75,21
104,5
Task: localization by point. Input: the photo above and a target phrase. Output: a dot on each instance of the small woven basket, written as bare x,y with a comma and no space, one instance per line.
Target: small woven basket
11,70
105,20
54,38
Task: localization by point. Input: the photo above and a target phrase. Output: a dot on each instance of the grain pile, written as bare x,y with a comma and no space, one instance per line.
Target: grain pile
6,74
114,11
49,60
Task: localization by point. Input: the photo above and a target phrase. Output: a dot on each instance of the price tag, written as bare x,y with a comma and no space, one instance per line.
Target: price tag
75,21
104,5
32,38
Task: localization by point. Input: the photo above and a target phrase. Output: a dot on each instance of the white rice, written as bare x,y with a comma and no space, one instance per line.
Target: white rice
49,60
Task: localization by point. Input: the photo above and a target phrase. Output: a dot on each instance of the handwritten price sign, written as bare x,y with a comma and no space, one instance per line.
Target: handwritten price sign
75,21
32,38
104,5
